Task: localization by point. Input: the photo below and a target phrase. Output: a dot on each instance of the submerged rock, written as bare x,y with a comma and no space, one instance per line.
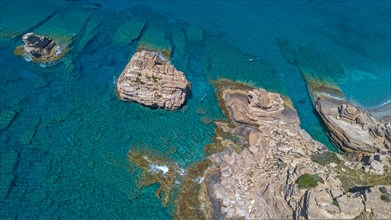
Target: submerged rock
129,32
151,80
194,33
155,170
6,118
39,48
8,164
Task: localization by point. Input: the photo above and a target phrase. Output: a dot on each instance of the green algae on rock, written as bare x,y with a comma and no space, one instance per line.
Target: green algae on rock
307,181
155,170
193,201
326,158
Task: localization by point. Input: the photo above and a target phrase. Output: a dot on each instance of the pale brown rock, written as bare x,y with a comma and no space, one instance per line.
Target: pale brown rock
255,107
151,80
352,128
261,183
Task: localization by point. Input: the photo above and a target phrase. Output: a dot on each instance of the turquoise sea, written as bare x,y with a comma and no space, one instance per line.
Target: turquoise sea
64,136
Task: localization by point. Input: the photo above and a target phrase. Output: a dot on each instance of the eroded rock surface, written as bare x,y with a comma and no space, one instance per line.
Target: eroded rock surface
273,175
353,129
151,80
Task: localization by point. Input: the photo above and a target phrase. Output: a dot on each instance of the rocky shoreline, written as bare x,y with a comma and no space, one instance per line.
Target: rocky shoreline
262,165
275,176
354,130
351,128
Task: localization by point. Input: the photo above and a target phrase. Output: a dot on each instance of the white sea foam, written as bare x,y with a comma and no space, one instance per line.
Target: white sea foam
114,83
58,51
200,180
181,172
156,168
385,103
381,110
388,102
27,58
162,57
332,96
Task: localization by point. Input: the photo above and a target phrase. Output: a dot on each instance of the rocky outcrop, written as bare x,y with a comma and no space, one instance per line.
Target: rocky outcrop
151,80
40,48
256,106
351,128
273,174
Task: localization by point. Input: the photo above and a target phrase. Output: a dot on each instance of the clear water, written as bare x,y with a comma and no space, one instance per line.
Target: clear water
72,134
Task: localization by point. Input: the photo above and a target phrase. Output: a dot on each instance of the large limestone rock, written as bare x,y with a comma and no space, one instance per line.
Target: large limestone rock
351,128
151,80
40,48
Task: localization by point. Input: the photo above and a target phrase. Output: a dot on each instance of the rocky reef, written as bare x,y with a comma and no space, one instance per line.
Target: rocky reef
264,166
151,80
39,48
155,169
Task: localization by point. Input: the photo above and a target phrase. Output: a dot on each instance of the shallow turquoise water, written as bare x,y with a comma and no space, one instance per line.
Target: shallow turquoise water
71,135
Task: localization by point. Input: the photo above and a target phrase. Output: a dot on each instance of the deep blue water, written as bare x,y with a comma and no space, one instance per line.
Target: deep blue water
65,136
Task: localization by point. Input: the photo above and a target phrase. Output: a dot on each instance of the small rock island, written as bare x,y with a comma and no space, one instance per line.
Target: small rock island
150,79
39,48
